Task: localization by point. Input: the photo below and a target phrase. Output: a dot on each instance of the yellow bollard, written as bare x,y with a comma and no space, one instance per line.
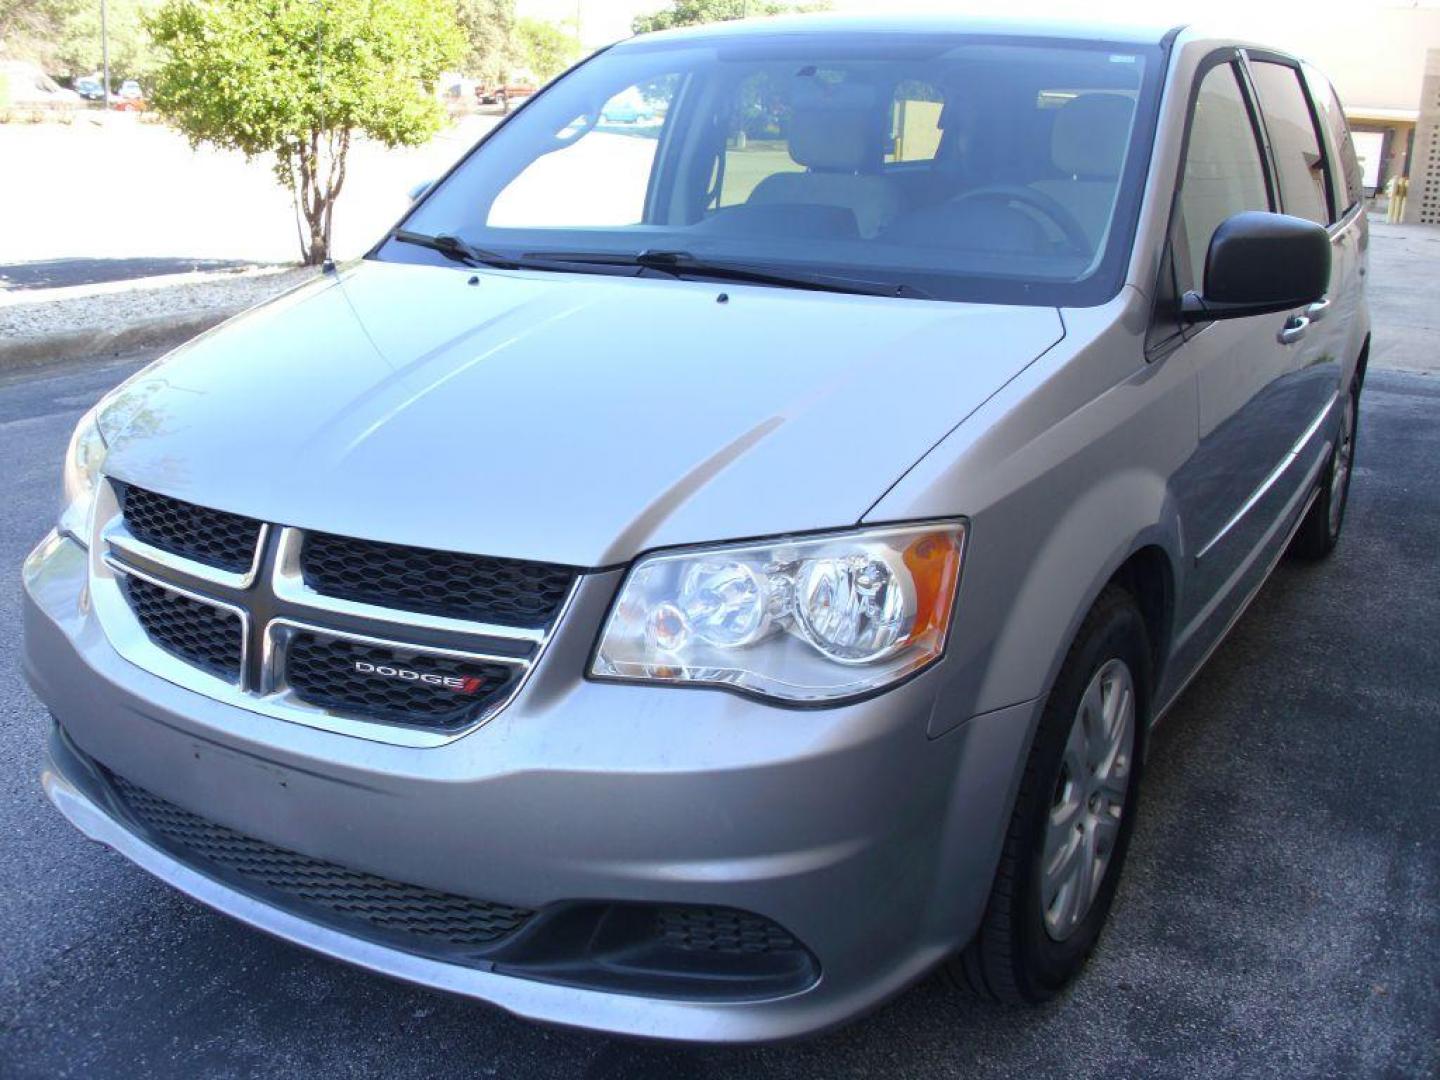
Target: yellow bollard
1398,188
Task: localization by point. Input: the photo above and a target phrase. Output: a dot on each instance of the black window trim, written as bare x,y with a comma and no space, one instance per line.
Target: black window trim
1322,140
1175,256
1316,80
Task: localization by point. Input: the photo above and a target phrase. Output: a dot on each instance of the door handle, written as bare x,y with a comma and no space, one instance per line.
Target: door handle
1293,330
1316,311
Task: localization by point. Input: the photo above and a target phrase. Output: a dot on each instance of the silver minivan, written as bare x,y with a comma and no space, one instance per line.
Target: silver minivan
720,556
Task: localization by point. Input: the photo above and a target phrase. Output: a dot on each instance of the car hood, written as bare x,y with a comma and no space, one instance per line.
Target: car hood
560,417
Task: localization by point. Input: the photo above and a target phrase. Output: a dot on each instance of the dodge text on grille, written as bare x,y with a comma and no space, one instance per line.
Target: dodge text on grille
451,682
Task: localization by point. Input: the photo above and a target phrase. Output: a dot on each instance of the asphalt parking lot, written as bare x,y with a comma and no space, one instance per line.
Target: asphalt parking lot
58,273
1278,916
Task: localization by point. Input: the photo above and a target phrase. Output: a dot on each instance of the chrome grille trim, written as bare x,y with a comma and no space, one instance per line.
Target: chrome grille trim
145,646
200,517
120,539
113,551
288,583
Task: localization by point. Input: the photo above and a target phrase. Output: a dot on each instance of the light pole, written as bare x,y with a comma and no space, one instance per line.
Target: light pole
105,55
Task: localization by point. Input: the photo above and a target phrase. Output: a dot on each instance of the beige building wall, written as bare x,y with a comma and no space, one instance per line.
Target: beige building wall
1375,57
1423,206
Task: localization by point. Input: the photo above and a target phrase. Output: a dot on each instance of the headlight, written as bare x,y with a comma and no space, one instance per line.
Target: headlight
83,459
807,620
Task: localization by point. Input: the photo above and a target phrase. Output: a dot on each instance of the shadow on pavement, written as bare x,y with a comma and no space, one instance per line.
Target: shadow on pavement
57,273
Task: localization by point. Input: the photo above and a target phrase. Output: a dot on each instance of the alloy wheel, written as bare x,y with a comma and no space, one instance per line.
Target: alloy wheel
1340,472
1084,823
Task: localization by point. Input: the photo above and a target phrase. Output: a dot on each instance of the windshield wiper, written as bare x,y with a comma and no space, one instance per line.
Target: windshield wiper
467,254
684,264
461,251
675,263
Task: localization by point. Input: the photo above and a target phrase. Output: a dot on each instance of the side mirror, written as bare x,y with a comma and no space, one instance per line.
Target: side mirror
1261,263
420,189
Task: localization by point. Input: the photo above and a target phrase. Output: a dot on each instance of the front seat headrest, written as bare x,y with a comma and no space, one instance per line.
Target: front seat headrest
1090,134
830,140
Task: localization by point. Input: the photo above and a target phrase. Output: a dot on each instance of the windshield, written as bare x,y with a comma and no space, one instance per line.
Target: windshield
1003,170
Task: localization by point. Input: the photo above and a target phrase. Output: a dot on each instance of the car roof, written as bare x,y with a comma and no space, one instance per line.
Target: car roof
824,24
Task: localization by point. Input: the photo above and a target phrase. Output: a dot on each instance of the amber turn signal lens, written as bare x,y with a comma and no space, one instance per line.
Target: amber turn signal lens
934,564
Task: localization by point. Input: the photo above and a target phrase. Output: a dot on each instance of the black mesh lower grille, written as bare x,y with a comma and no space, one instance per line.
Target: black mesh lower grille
510,592
722,930
321,890
213,537
392,685
208,637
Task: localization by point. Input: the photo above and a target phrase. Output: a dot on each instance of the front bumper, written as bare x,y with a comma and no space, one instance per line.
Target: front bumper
872,844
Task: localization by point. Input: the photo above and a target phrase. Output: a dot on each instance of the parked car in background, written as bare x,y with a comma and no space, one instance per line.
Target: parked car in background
90,87
456,86
692,587
130,97
505,94
627,108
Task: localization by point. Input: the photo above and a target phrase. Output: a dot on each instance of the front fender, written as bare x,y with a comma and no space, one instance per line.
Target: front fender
1063,474
1117,517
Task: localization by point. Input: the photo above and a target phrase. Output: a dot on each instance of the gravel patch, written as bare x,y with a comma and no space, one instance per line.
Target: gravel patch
113,306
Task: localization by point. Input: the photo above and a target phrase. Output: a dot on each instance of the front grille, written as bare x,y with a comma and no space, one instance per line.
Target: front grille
507,591
426,919
323,671
213,537
307,642
208,637
722,930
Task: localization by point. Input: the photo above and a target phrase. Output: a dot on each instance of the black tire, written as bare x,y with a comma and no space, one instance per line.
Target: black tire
1319,532
1014,958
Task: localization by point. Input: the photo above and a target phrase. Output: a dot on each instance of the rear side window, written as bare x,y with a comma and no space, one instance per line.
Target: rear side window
1346,175
1224,173
915,122
1299,160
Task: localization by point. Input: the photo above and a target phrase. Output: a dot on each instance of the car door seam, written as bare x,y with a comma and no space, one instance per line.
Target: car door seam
1271,479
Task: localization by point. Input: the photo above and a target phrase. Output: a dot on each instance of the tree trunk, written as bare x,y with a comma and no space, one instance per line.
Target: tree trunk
316,177
319,249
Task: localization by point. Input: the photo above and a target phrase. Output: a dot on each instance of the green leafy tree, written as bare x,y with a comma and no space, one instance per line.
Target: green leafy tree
545,48
29,29
300,79
489,27
77,46
695,12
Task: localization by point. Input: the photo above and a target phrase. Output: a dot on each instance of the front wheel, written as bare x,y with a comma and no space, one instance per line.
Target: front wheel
1071,825
1319,532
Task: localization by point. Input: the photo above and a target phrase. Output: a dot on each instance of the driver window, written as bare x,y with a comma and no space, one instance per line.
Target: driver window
600,172
1223,170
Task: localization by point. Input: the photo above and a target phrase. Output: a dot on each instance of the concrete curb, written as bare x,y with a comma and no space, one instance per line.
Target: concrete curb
46,327
64,346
